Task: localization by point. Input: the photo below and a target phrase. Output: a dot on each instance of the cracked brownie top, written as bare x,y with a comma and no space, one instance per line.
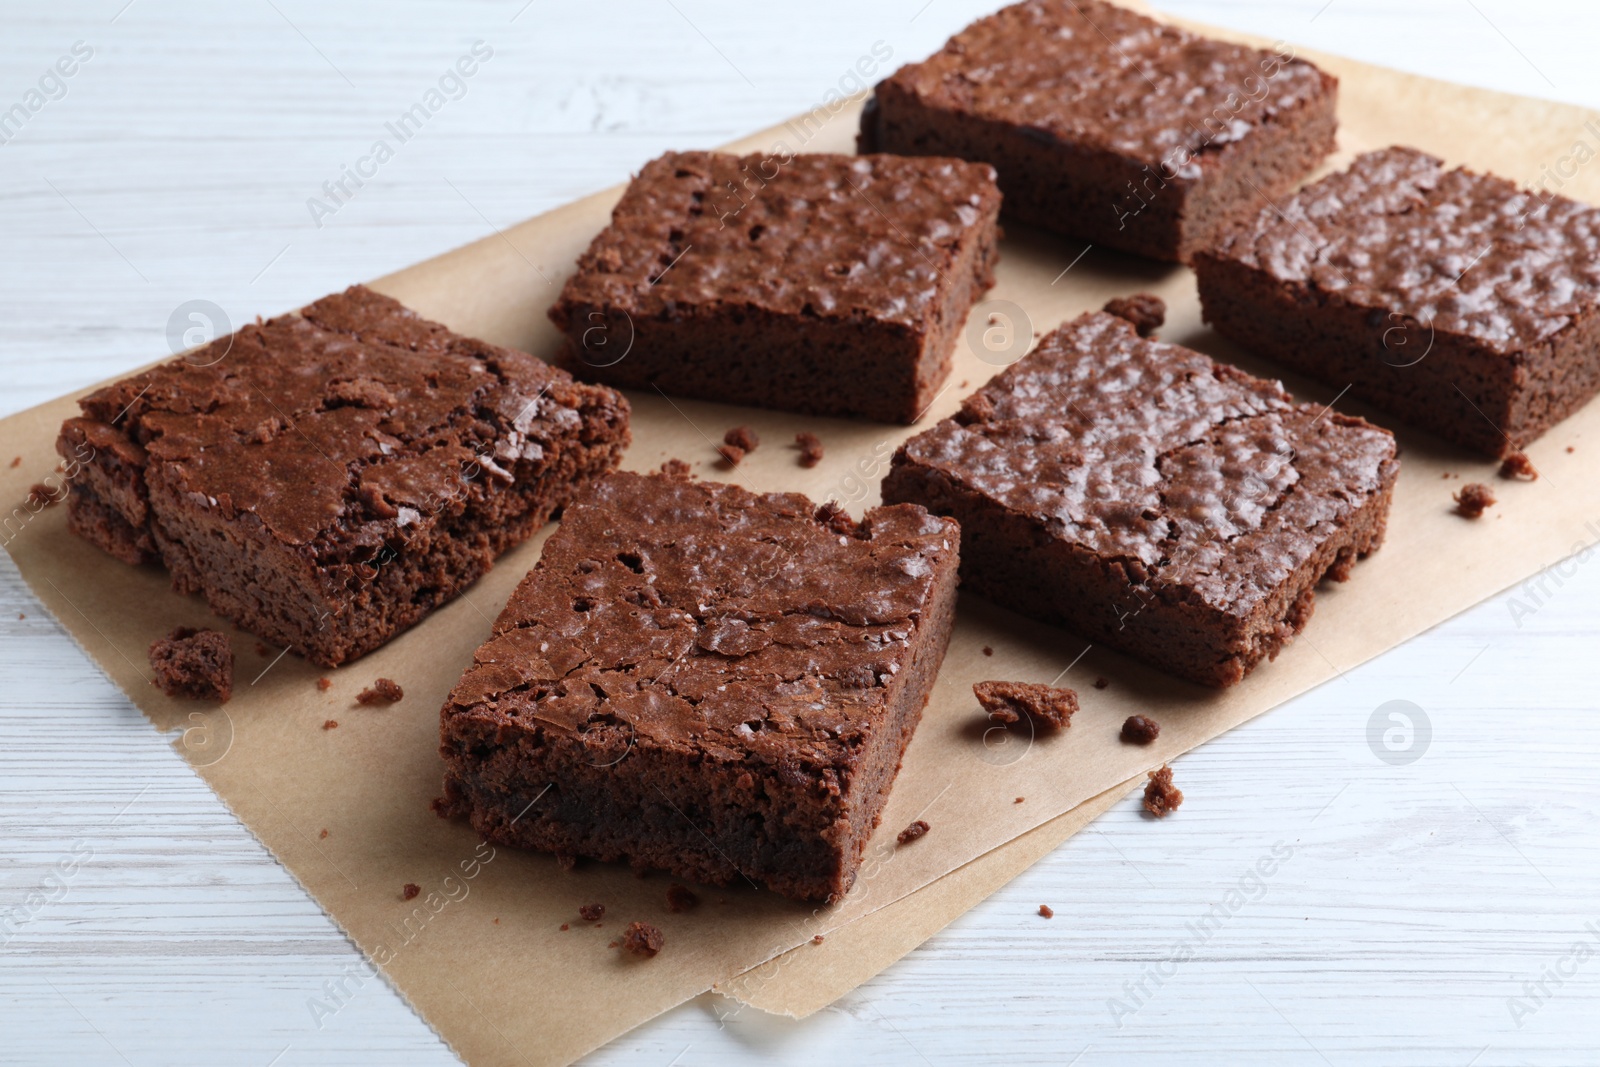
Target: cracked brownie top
1091,73
1458,251
699,615
338,427
829,236
1150,456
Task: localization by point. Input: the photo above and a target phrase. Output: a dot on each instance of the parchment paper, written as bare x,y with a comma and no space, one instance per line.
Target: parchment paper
480,952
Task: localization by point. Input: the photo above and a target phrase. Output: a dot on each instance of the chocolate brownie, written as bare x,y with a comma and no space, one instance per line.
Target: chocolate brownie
326,479
1046,705
1109,126
193,664
1160,795
1150,499
705,681
1455,300
828,284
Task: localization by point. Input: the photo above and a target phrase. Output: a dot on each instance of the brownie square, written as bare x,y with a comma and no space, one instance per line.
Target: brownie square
1109,126
833,285
326,479
1150,499
1457,301
705,681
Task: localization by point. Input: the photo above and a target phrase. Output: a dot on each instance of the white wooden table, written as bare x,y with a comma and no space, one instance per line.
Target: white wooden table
1419,900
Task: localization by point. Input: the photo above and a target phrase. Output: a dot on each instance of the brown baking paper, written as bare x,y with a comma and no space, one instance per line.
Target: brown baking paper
480,951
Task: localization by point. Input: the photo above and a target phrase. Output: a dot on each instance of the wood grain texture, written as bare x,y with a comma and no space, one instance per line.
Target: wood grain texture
146,925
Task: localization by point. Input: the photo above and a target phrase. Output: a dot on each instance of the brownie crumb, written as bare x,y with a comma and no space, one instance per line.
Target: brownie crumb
330,724
383,691
194,664
1473,500
16,462
1047,911
324,684
566,862
42,496
912,832
817,940
324,832
1007,702
566,926
410,891
742,437
591,913
1140,730
987,651
261,650
1570,449
1160,795
1019,800
1145,310
681,898
642,939
731,455
675,468
810,448
1101,682
1518,465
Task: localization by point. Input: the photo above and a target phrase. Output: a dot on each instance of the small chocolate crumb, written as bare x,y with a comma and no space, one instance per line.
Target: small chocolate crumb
566,862
731,455
1140,730
410,891
324,833
675,468
383,691
1160,795
642,939
42,496
987,651
1473,500
1047,911
912,832
1019,800
817,940
261,649
193,664
591,913
1571,449
1007,702
810,448
1518,465
681,898
324,684
742,437
330,724
16,462
497,922
566,926
1101,682
21,616
1145,310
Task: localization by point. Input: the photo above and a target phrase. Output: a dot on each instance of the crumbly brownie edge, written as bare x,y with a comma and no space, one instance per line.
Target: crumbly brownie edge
1441,381
814,853
1007,558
